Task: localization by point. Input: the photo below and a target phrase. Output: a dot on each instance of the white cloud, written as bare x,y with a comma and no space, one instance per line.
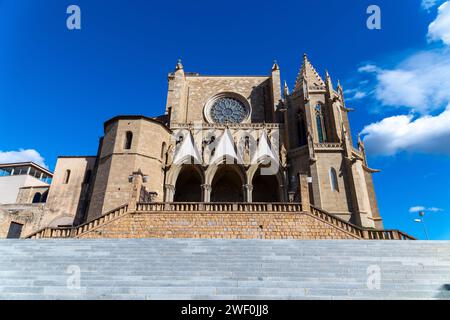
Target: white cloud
426,134
355,94
421,82
22,156
369,68
439,29
422,208
428,4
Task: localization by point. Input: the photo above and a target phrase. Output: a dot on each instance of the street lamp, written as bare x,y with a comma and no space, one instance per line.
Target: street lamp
422,220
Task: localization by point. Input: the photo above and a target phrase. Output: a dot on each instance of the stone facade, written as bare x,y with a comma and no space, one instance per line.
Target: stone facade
256,225
69,191
290,147
33,194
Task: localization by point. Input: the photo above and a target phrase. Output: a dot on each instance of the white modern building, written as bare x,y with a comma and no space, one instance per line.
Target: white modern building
24,182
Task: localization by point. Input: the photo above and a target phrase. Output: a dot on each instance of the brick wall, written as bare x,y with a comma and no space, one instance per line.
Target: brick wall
218,225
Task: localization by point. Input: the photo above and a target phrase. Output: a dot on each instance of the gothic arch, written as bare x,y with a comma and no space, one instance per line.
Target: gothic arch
188,185
266,188
212,170
174,172
277,179
227,183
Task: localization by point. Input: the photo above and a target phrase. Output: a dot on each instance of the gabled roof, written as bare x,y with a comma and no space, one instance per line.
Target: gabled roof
308,72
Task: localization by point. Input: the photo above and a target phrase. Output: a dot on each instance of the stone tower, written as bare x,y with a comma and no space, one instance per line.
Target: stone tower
320,146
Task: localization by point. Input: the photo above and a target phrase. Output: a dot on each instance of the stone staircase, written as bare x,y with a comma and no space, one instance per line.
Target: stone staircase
223,269
343,226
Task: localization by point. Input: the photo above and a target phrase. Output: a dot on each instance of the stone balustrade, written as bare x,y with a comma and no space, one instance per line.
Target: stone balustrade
220,208
328,145
229,125
69,232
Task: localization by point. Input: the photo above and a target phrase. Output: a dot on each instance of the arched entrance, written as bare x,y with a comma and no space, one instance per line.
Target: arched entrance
227,185
265,188
188,186
37,197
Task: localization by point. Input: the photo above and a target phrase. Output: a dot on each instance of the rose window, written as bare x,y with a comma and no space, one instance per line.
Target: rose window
228,110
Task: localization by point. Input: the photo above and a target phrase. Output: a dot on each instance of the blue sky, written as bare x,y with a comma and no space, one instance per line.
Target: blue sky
57,86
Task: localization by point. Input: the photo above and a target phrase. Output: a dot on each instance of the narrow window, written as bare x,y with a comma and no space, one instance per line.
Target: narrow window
87,177
320,124
334,180
128,140
67,177
302,131
319,128
15,230
37,197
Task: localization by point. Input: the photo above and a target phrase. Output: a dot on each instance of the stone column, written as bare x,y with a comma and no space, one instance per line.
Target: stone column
169,191
248,190
136,180
304,191
206,192
283,197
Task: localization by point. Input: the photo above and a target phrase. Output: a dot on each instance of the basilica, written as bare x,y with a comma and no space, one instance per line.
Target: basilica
231,157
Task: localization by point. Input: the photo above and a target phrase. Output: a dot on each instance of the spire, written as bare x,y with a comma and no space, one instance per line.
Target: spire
275,66
309,74
286,89
339,87
179,65
340,91
329,83
360,142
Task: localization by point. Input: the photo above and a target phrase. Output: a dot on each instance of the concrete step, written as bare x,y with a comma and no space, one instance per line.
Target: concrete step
223,269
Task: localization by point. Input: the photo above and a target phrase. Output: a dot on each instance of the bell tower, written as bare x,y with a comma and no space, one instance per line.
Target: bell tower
320,145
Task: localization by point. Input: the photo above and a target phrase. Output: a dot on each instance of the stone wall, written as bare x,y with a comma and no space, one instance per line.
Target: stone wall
66,200
336,202
190,94
27,194
112,187
28,215
218,225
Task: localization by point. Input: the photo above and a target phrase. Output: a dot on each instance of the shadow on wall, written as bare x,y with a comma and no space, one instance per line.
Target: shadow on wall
61,221
260,100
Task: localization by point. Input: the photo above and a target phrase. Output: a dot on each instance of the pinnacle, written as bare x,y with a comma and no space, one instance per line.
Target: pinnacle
309,74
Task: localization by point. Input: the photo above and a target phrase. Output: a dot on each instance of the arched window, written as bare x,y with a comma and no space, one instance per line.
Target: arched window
128,140
334,180
163,151
320,124
44,196
302,131
87,177
67,177
37,197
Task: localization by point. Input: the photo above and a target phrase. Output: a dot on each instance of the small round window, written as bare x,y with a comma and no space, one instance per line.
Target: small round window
228,110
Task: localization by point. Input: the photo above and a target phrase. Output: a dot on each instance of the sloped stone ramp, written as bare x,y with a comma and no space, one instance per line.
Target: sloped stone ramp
223,269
